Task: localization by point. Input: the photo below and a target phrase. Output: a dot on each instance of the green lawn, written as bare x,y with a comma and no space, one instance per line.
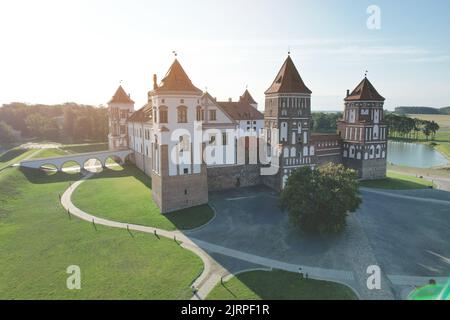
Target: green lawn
126,196
396,181
444,148
279,285
48,153
83,148
38,242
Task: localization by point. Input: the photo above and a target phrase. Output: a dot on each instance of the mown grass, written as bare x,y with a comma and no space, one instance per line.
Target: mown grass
126,196
279,285
38,242
396,181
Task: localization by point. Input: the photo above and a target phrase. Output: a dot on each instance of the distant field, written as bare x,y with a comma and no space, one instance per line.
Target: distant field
442,120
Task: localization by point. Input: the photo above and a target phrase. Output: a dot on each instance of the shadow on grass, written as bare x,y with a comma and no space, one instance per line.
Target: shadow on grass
11,154
283,285
38,176
393,184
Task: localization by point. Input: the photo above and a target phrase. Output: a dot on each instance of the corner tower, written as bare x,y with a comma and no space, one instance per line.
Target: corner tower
120,107
364,132
288,111
179,180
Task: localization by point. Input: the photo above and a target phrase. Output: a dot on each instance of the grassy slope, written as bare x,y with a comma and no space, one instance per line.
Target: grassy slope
13,156
38,242
396,181
279,285
126,196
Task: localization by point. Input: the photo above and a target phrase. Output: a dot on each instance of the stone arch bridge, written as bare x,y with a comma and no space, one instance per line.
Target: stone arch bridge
80,158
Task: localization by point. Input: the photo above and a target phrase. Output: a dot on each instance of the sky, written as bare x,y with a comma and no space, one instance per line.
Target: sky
80,51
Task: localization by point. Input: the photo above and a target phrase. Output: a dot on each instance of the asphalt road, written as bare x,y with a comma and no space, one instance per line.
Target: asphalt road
406,233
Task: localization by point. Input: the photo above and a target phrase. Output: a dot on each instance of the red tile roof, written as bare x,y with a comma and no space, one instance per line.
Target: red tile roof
288,80
144,114
364,91
247,97
121,97
241,110
176,79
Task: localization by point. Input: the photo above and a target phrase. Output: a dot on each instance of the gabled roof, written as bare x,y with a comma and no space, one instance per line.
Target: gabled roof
288,80
121,96
144,114
241,110
176,79
364,91
247,97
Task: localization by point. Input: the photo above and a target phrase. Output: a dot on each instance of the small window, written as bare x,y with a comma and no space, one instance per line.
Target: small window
181,100
212,115
186,171
224,138
182,114
163,115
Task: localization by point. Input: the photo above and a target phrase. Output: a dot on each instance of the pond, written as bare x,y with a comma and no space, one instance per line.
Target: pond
414,155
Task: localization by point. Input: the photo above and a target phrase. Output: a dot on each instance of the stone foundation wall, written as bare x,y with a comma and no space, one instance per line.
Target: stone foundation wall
373,169
230,177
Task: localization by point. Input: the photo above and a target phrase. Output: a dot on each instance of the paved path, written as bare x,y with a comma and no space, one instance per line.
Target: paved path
355,276
211,269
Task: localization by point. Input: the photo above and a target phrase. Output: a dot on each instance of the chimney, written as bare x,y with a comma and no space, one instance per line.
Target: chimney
155,82
230,100
129,96
348,92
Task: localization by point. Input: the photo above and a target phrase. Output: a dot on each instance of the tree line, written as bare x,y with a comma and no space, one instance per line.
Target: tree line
325,122
68,122
401,126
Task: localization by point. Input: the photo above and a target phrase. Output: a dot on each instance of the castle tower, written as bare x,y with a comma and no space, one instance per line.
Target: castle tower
364,132
288,110
247,97
179,180
120,107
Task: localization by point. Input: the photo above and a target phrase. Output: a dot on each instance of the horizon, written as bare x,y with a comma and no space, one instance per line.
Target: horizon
82,51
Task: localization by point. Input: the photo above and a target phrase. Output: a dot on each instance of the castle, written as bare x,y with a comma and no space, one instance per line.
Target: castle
189,143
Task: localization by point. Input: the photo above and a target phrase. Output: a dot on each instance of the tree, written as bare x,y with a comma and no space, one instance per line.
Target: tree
318,201
6,132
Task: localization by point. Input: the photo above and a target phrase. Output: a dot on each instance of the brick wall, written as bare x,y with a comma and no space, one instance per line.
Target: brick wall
230,177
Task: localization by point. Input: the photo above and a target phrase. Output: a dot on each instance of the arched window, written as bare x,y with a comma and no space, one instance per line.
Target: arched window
182,114
352,151
312,150
293,151
378,153
286,152
163,114
200,114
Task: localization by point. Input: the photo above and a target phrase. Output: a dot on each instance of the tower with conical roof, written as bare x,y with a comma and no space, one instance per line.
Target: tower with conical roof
287,118
179,178
120,107
364,131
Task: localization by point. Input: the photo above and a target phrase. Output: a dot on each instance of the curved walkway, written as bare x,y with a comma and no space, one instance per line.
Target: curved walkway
213,271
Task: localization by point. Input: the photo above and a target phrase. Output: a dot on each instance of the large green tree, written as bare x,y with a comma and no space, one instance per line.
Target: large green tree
319,200
6,132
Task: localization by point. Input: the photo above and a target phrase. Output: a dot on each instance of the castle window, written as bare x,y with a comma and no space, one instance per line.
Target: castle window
185,190
185,171
163,116
212,115
182,114
224,138
200,114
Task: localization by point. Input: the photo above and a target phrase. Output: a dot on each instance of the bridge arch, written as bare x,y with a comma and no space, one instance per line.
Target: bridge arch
93,164
70,166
